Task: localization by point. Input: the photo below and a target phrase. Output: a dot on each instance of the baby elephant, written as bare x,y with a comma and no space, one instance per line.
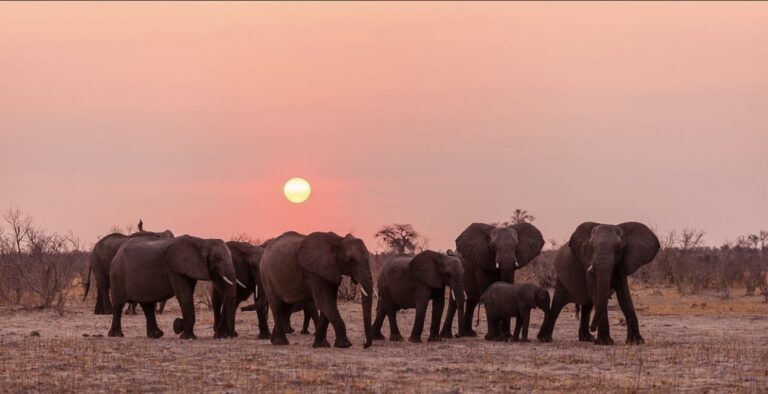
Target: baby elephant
504,301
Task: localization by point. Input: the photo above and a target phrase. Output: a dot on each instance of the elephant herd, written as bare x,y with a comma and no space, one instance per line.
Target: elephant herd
297,272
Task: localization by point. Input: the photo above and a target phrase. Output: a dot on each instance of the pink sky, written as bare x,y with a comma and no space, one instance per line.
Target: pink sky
191,116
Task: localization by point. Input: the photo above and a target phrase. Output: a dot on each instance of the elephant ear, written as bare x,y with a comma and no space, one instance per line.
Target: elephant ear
578,242
424,268
319,253
529,242
472,244
640,246
189,257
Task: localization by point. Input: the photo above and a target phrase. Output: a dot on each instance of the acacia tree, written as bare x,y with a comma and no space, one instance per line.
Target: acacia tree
518,216
401,239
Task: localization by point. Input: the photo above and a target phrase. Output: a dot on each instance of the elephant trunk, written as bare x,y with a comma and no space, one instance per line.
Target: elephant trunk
366,284
602,292
228,287
461,298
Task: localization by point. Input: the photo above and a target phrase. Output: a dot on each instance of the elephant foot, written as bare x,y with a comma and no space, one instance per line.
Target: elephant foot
524,340
289,330
396,337
470,333
414,340
178,325
342,343
635,340
156,333
377,336
489,337
235,334
433,338
321,344
188,336
607,341
282,341
586,337
222,335
264,335
305,332
544,338
446,335
115,333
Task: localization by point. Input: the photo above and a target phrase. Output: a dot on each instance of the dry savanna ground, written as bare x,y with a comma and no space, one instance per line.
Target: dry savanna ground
693,343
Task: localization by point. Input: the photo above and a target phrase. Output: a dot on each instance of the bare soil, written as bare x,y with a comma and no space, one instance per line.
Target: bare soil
693,343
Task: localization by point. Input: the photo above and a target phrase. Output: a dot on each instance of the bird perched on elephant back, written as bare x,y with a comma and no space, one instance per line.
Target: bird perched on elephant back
247,259
148,270
101,258
491,254
411,282
296,268
595,262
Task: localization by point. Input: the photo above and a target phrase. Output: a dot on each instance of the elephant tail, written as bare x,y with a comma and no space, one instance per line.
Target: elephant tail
87,283
479,303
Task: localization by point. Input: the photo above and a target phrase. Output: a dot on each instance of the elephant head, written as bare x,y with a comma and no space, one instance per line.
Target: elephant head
206,259
542,300
330,256
607,250
438,270
507,248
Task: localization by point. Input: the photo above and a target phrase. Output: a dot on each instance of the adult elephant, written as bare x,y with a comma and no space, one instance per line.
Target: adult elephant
149,270
411,282
596,261
247,259
101,258
491,254
297,269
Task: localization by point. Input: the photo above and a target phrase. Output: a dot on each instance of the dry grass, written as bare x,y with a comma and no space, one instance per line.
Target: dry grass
721,347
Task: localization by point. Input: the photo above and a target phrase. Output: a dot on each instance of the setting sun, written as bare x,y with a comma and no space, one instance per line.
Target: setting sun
297,190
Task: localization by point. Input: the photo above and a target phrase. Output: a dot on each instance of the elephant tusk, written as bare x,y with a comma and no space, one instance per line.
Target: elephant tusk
241,284
453,296
591,268
256,291
465,295
497,264
375,293
363,291
227,280
517,264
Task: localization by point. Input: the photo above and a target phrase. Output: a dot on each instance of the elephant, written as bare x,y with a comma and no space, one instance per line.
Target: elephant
101,258
411,282
310,314
147,271
596,261
246,259
491,254
503,301
296,268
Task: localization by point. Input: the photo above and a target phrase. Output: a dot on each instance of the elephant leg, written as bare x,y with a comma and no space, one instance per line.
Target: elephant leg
261,314
422,300
524,320
184,290
505,326
447,330
493,325
116,329
216,303
103,304
321,332
438,303
515,336
279,312
99,303
465,328
153,331
160,307
131,309
379,321
584,334
394,330
625,302
559,300
325,298
307,317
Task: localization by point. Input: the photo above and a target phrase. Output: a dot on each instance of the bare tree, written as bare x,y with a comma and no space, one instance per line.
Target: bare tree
401,239
518,216
245,237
